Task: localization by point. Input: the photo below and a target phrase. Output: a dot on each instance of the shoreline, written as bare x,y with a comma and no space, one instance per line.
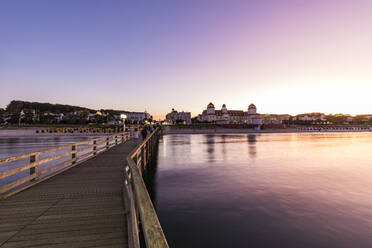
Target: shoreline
31,132
252,131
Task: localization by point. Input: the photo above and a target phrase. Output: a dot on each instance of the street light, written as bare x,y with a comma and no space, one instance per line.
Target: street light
123,116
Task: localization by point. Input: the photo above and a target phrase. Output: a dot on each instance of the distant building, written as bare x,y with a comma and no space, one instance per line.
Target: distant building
311,117
91,117
363,119
114,122
225,116
349,120
176,116
138,116
367,117
275,118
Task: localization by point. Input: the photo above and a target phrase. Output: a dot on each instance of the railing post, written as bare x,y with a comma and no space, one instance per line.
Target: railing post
107,143
122,137
147,151
94,147
73,156
144,157
149,148
34,170
116,139
139,161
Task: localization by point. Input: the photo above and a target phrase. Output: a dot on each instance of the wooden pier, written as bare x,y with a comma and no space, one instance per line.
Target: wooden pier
101,202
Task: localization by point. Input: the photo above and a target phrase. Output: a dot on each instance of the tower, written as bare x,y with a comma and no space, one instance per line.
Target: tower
210,109
252,110
224,109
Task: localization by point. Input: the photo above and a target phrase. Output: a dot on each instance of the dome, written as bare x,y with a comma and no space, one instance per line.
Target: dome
252,106
224,106
210,105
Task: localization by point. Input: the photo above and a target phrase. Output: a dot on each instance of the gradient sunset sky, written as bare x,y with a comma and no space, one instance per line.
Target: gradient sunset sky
286,56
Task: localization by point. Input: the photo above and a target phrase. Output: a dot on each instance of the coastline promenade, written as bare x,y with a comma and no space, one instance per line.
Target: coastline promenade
220,130
82,207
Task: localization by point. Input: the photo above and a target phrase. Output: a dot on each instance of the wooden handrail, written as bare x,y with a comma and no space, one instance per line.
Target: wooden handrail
17,185
139,200
26,155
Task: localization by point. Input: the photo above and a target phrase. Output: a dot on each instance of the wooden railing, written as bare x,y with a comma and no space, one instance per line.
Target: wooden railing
44,164
137,199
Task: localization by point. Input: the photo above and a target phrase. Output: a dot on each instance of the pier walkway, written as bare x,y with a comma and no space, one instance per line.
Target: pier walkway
81,207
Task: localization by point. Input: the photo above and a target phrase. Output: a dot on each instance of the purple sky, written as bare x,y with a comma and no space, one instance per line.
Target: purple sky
284,56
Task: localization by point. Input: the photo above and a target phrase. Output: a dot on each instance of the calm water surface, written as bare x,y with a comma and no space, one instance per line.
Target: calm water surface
268,190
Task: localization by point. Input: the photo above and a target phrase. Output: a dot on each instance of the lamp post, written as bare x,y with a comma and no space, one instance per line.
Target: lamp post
123,116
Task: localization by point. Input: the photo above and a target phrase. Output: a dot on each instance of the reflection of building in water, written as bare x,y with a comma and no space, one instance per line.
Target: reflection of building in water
252,150
223,142
251,138
175,142
225,116
210,147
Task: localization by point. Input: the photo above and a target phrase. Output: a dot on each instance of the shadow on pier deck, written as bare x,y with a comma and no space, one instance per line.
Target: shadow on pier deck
82,207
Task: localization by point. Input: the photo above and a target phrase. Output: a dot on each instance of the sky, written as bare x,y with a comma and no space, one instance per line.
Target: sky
285,56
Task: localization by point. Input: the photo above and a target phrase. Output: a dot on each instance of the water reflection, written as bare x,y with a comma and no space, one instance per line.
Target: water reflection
210,147
224,138
252,150
310,190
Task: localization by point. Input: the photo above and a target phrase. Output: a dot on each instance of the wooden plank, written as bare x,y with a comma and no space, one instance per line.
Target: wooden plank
87,154
16,170
54,157
16,183
91,146
11,159
26,155
66,239
35,164
55,167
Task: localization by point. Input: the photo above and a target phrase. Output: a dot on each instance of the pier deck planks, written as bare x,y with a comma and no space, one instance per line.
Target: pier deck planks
82,207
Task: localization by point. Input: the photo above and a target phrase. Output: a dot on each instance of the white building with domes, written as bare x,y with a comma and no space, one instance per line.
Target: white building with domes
225,116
